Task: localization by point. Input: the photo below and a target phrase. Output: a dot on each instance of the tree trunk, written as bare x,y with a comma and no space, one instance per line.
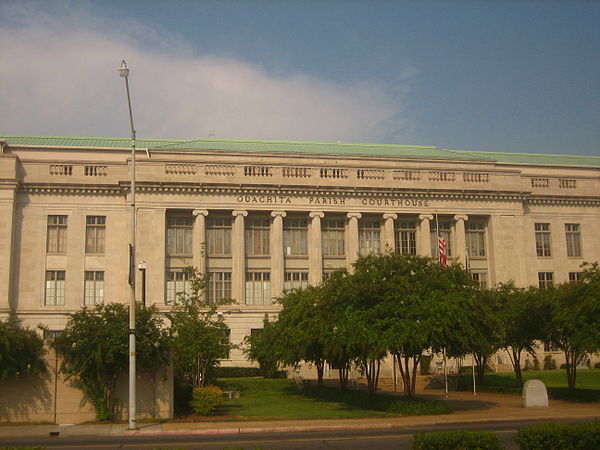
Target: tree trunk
516,360
343,375
480,362
371,368
320,368
571,357
408,374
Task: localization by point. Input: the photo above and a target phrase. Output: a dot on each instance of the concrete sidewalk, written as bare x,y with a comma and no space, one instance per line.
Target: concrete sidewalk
484,407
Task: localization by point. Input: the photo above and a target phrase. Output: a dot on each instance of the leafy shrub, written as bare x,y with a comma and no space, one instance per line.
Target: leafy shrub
559,436
206,399
459,440
597,365
536,364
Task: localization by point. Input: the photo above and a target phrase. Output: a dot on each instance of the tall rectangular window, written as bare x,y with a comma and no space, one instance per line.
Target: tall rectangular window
95,233
406,238
179,235
56,241
295,237
219,286
545,279
257,237
369,237
226,343
573,240
94,287
481,278
542,239
218,236
178,284
574,276
55,287
444,228
295,280
258,288
332,237
475,237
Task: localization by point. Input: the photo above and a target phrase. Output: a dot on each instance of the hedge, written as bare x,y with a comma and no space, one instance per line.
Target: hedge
457,440
557,436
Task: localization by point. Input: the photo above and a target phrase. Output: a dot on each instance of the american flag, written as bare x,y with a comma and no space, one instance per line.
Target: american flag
442,248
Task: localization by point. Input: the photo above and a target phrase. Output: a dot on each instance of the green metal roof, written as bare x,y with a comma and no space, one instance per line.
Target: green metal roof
317,148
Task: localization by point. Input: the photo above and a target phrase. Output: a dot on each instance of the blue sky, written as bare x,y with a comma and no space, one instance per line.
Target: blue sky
514,76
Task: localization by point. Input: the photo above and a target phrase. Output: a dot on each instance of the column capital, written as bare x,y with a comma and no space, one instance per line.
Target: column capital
319,214
425,217
240,212
392,216
278,214
354,215
200,212
460,217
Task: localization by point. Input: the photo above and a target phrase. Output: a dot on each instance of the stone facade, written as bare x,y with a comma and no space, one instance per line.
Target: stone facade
263,216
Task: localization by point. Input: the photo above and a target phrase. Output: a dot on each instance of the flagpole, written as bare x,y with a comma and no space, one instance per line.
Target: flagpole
437,232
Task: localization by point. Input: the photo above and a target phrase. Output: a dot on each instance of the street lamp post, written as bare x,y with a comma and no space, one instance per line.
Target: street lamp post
124,73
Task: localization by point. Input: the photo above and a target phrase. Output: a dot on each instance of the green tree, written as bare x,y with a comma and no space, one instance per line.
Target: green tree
263,347
21,350
94,349
574,325
521,322
485,335
198,332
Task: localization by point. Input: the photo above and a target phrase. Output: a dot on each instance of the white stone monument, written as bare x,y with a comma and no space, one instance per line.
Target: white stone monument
534,394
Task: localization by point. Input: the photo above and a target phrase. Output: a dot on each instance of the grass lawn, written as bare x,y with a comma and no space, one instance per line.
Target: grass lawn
587,385
280,399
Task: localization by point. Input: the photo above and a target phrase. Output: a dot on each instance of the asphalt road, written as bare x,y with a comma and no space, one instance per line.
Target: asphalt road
396,438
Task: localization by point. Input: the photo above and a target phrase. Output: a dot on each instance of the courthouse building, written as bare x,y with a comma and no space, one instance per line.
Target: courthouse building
262,217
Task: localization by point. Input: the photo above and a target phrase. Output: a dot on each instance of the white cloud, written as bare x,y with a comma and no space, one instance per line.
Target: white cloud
58,76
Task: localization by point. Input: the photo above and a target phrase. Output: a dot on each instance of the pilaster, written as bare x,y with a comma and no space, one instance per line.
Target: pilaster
352,238
315,249
199,239
389,243
460,249
425,234
238,275
277,261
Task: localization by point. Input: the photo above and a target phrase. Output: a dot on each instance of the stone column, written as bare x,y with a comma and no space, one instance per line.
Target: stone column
389,241
277,264
238,254
315,249
460,249
7,223
199,240
425,235
352,246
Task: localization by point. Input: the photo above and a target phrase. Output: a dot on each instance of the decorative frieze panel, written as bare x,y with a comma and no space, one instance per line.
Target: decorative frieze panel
258,171
296,172
61,169
407,175
226,170
95,171
565,183
540,182
334,173
476,177
440,175
370,174
180,169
